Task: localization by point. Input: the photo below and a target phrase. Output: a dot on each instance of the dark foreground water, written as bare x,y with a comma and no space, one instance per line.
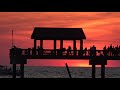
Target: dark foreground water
61,72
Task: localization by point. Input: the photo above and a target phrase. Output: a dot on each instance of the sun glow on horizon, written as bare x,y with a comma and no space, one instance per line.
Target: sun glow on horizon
83,65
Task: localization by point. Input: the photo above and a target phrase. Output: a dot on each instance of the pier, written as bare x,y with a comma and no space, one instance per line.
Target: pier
95,57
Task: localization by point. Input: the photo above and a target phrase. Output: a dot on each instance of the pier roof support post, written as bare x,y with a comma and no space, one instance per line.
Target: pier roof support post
21,70
81,48
41,43
102,71
54,47
35,44
61,44
74,47
93,71
81,44
14,71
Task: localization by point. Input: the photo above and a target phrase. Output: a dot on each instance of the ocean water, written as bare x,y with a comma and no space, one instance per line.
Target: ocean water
61,72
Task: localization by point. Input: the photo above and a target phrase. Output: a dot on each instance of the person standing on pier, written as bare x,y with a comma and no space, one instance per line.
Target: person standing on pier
69,50
40,50
85,51
105,51
93,51
116,50
111,49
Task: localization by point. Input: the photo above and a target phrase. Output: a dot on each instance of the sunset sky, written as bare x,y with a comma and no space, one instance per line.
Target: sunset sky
100,28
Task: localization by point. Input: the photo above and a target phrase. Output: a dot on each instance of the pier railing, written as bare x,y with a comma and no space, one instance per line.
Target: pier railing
59,52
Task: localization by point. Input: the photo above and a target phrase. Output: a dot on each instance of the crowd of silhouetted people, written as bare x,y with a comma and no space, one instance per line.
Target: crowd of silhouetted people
112,50
92,51
107,51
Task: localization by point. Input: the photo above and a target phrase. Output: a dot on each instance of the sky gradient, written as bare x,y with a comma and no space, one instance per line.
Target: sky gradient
101,28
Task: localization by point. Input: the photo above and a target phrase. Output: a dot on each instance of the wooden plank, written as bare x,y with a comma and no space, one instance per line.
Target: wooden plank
68,71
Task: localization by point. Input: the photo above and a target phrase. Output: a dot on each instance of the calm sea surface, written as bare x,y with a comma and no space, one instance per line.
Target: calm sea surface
61,72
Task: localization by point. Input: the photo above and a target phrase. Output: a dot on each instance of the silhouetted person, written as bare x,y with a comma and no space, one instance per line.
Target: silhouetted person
85,51
40,50
13,51
111,47
93,50
108,50
104,47
105,51
113,51
17,51
69,50
116,50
